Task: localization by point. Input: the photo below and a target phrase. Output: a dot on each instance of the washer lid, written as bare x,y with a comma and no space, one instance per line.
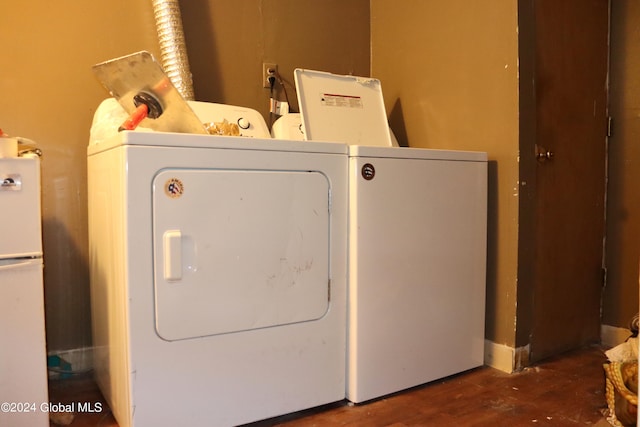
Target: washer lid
342,108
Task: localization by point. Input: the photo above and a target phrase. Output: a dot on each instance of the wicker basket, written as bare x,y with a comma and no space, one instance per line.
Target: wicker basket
622,392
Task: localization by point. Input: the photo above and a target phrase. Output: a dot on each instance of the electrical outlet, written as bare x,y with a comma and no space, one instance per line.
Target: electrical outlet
269,69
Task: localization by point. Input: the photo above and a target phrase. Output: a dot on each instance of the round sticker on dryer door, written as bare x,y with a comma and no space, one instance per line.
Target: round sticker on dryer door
174,188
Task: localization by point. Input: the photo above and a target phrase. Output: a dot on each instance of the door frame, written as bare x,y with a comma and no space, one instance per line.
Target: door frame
526,310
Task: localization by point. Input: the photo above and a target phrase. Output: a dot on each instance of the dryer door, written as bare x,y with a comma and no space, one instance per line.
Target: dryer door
236,250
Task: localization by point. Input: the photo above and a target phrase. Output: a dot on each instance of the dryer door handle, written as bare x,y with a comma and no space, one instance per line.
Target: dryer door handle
172,249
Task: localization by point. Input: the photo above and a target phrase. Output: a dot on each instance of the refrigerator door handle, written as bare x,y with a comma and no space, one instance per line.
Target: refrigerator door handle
14,264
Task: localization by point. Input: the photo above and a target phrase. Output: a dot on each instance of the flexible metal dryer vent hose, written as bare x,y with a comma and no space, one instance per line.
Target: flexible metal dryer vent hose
172,46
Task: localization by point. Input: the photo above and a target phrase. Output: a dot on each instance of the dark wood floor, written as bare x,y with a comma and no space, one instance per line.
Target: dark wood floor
564,391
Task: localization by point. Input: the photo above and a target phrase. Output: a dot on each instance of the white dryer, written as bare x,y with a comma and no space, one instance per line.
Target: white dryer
417,242
218,276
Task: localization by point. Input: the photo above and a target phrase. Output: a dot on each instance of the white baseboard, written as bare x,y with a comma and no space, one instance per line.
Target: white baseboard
499,356
505,358
509,359
611,336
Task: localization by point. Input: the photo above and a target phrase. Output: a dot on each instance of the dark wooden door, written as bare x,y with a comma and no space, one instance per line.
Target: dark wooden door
571,65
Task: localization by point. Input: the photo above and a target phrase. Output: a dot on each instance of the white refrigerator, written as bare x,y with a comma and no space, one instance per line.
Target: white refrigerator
23,363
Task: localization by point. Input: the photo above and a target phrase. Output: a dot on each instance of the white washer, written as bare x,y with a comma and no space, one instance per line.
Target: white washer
417,267
218,276
417,242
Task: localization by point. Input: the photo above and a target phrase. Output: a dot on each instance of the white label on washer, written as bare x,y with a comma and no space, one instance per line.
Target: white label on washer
333,100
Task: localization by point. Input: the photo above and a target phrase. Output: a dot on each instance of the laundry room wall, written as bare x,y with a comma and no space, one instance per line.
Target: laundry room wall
449,77
228,41
450,80
49,95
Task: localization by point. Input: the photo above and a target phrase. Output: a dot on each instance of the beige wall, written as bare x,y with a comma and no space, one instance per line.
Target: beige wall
449,74
49,94
450,79
229,40
623,210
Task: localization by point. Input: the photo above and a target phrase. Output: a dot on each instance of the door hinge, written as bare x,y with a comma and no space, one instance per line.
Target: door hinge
609,126
604,277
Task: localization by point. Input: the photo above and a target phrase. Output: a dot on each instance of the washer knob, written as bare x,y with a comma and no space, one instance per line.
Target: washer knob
243,123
